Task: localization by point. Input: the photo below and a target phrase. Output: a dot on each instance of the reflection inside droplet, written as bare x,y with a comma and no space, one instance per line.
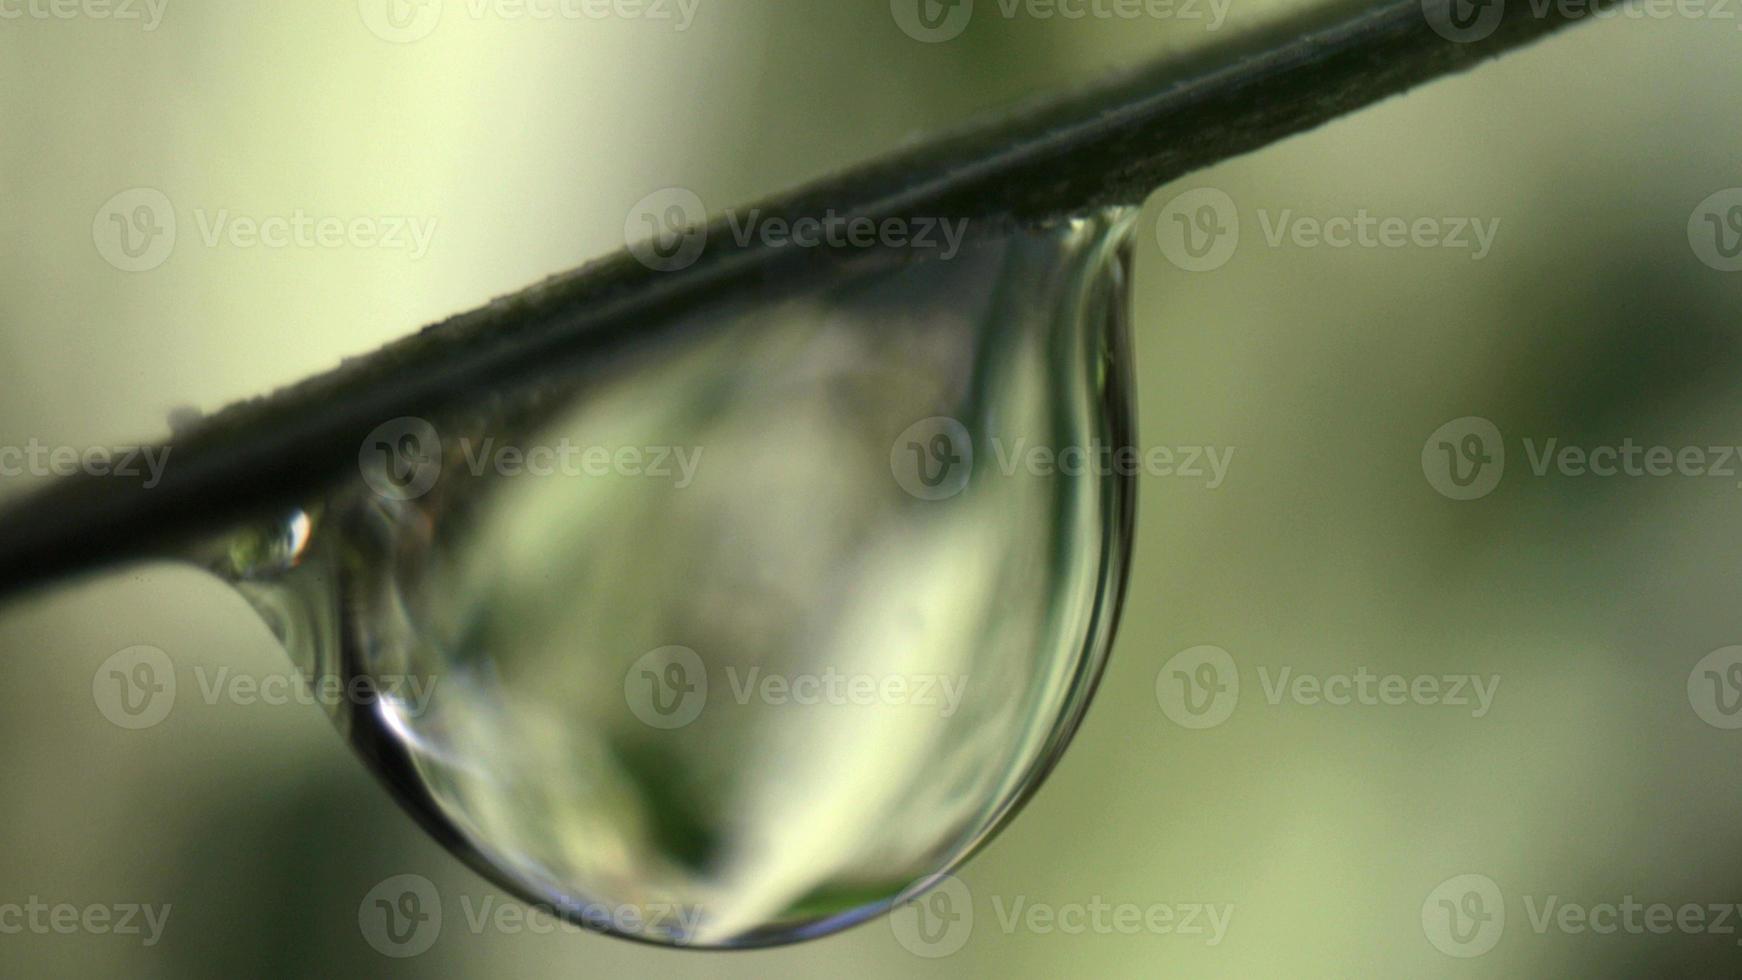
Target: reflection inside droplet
732,643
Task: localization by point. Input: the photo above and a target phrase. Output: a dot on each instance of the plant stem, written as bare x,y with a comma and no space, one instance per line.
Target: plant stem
1107,144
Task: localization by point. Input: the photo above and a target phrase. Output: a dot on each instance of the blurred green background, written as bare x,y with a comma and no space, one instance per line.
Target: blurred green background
1597,774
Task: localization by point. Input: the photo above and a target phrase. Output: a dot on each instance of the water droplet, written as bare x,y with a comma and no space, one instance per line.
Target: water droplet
735,642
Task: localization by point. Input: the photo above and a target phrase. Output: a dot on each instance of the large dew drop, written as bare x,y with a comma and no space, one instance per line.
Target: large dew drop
760,631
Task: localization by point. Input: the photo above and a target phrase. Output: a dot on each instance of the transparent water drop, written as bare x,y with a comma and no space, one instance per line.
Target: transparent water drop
752,635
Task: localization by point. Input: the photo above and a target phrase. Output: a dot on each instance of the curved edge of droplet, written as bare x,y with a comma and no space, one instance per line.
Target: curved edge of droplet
1103,284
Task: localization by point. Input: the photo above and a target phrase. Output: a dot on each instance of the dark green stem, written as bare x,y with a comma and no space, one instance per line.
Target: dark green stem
1108,144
